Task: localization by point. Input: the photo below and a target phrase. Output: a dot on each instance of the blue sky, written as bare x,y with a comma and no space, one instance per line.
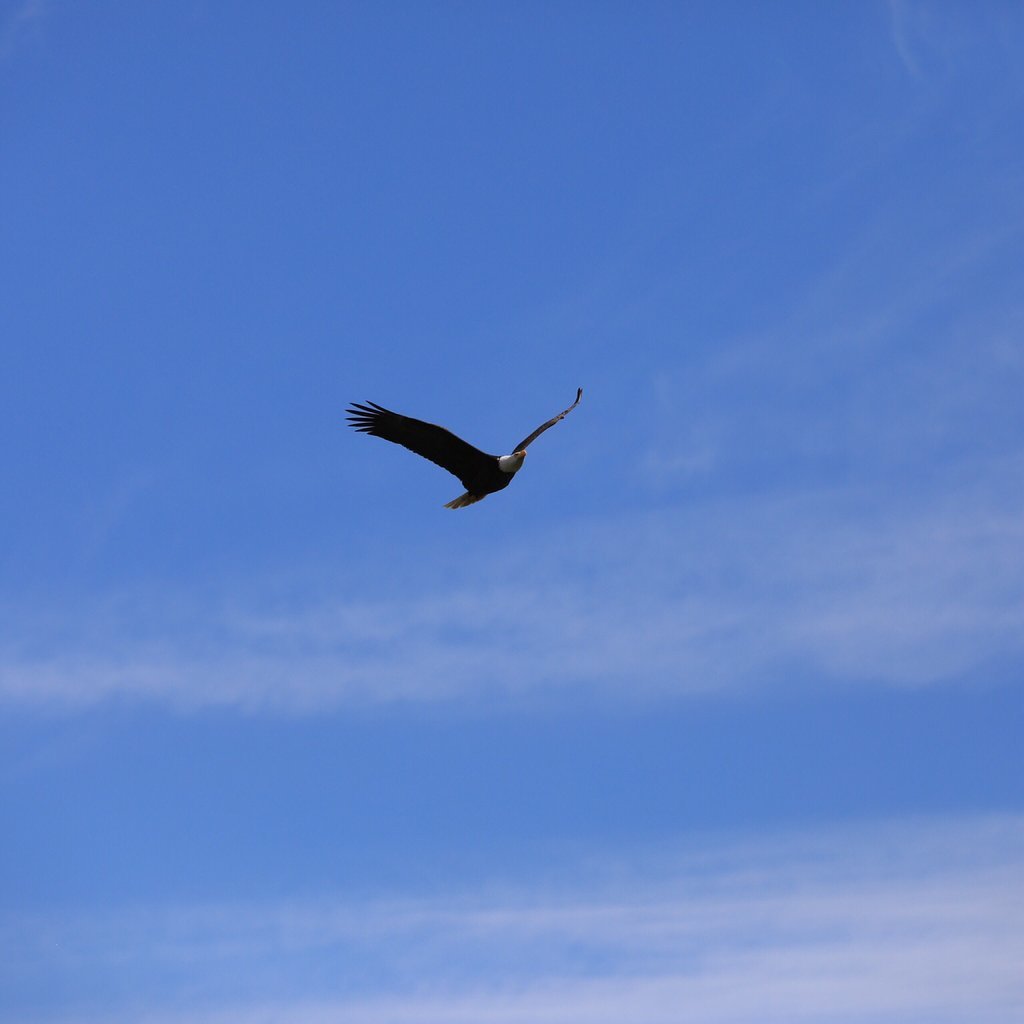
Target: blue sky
714,715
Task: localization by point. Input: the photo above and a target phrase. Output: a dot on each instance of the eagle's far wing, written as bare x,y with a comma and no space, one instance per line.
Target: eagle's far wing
435,443
550,423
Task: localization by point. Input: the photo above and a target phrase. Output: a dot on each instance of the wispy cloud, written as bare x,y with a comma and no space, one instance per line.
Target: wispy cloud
17,23
901,18
728,595
936,39
912,922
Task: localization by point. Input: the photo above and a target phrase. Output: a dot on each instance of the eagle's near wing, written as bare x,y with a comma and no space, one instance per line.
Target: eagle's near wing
550,423
427,439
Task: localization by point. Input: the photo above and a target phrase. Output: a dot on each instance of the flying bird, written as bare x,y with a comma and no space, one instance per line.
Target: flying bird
481,474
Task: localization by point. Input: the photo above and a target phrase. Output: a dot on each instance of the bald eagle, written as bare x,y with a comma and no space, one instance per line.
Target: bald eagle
481,474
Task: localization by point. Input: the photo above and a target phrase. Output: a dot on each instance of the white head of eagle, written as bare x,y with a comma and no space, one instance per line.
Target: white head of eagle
511,463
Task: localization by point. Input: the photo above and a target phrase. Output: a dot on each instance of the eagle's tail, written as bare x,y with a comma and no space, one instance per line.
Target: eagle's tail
465,499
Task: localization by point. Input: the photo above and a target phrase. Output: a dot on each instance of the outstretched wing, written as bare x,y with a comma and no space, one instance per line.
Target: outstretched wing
427,439
550,423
